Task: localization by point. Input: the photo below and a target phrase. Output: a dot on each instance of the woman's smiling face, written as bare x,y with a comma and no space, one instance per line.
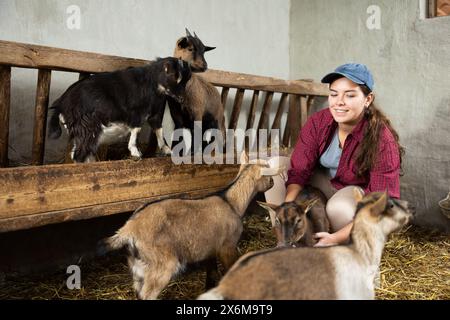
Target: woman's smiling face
347,101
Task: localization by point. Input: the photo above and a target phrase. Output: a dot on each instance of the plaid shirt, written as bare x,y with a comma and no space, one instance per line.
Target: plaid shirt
313,140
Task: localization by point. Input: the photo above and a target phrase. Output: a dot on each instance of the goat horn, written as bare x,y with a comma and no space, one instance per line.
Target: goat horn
195,35
188,34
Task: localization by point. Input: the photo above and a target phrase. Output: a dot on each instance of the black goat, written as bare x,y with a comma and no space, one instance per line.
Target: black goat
106,106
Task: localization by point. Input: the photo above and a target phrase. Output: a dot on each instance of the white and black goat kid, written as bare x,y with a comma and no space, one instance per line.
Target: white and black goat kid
107,106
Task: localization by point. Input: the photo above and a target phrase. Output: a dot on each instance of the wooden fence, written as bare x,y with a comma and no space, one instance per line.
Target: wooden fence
41,194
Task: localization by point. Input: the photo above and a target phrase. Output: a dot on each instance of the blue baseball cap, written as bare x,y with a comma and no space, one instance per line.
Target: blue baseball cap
356,72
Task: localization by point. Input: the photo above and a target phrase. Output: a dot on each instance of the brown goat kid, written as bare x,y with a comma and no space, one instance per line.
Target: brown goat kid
339,272
163,237
202,101
295,223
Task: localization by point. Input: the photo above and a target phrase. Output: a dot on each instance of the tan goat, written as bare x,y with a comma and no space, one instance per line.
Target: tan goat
339,272
163,237
202,101
294,223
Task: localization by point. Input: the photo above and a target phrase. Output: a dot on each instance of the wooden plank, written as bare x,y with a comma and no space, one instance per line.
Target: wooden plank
252,111
236,108
42,57
276,125
277,121
309,104
432,8
294,118
5,100
264,118
41,219
40,116
224,96
253,82
251,117
39,189
303,110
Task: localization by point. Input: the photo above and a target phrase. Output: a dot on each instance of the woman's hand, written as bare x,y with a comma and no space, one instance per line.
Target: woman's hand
341,236
325,239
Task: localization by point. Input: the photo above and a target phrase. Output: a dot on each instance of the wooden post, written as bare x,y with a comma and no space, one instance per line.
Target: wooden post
277,121
309,104
40,116
287,133
294,120
251,113
251,117
224,96
5,100
236,108
264,118
432,8
303,110
84,75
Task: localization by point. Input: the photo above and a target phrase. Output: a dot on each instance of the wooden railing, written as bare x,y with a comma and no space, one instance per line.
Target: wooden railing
46,59
37,195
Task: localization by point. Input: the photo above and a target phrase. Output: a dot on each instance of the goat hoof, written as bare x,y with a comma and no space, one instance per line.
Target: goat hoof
136,158
166,151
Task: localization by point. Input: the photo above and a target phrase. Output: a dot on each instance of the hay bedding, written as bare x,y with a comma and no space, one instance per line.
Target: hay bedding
415,265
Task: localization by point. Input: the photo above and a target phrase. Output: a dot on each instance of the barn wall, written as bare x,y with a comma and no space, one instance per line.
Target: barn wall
410,60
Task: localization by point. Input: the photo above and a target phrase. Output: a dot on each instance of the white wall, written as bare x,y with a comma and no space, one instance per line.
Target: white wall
251,36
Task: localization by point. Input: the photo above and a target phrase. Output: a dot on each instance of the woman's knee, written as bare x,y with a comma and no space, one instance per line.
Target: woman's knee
341,208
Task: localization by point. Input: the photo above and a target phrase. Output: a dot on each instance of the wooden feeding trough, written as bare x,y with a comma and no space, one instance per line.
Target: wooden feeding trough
40,194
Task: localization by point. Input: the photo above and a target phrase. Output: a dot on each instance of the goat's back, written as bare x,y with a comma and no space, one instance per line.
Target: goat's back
191,227
288,274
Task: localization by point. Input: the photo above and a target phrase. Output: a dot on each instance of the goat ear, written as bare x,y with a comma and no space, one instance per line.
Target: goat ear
209,48
170,68
183,43
309,204
244,157
358,194
271,209
380,205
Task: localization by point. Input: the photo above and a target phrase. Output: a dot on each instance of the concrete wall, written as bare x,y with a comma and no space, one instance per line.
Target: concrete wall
410,60
251,36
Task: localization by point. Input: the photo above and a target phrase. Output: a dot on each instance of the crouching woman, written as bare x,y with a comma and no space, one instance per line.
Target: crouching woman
349,144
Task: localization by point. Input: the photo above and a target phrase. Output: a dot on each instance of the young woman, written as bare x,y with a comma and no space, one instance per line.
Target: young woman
350,144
